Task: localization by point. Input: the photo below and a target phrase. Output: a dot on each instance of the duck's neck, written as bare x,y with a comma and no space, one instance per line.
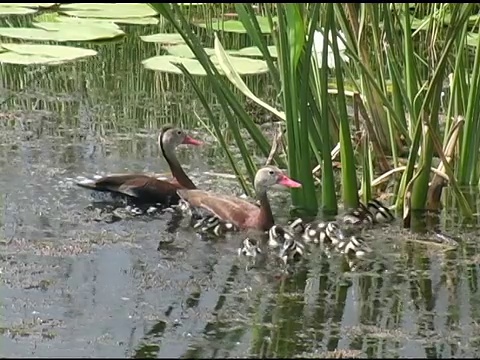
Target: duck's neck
265,217
175,167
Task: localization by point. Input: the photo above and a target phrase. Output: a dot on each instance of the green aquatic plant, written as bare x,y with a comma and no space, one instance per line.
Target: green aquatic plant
66,23
397,89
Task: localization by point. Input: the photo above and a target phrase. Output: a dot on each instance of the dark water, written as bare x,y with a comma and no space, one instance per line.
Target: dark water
74,284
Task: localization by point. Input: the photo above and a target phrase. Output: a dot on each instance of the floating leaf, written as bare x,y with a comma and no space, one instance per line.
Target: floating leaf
109,11
134,21
244,66
57,31
183,50
22,9
253,51
164,63
64,26
11,9
164,38
55,17
28,54
472,39
30,5
236,25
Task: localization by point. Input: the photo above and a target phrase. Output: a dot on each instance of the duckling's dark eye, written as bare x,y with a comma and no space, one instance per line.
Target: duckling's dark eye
271,172
179,132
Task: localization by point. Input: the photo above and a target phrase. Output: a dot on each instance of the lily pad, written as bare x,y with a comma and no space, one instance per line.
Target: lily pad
109,11
253,51
134,21
171,39
184,51
22,9
164,63
30,5
236,26
472,39
5,9
28,54
57,31
244,66
55,17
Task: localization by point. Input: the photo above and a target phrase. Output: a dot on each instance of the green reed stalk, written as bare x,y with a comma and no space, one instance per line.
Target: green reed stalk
249,20
320,97
349,176
292,58
347,24
367,170
468,166
431,105
458,84
210,115
227,99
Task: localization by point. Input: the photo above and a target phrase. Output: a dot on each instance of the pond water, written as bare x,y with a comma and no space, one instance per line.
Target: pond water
75,284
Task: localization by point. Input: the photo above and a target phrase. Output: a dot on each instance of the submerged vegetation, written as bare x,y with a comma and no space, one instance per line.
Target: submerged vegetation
391,95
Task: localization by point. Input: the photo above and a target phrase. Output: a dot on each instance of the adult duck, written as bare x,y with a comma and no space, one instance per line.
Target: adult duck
145,188
233,213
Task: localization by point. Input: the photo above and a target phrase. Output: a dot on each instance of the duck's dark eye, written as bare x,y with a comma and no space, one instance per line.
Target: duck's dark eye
179,132
271,172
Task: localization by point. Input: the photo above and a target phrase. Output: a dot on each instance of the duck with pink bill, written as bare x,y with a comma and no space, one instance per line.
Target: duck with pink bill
143,188
230,213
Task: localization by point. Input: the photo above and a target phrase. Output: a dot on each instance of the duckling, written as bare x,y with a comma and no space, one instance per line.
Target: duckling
374,212
297,226
323,232
278,235
213,224
292,249
354,246
358,216
249,247
380,212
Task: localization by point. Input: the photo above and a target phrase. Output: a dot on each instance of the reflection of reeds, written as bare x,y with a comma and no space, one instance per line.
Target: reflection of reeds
335,354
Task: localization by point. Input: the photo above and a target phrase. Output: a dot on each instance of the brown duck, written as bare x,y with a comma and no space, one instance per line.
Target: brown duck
236,211
145,188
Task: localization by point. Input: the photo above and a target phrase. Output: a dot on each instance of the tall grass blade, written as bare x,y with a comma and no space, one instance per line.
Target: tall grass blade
349,176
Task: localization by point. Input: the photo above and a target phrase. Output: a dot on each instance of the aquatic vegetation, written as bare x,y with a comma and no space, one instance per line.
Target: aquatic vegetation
387,63
84,22
392,117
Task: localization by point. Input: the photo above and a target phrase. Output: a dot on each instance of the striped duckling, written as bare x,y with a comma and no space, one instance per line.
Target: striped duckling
354,247
359,216
213,224
380,212
320,232
280,237
291,247
249,247
375,212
